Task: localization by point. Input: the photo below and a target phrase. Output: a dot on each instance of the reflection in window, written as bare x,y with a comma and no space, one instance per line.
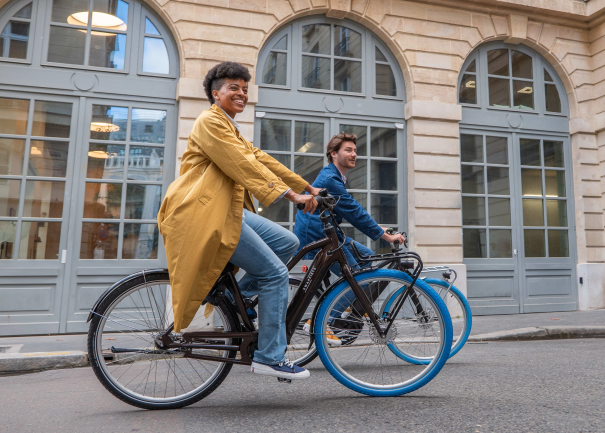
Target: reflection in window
316,72
11,156
13,116
66,45
43,199
108,123
150,29
140,241
52,119
474,244
347,42
40,240
15,36
9,197
7,238
107,50
347,76
316,39
468,86
48,159
99,241
308,137
105,161
275,69
553,101
102,200
146,163
148,126
143,201
155,56
275,134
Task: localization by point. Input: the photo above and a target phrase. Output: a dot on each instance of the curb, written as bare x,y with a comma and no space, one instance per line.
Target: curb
543,333
37,361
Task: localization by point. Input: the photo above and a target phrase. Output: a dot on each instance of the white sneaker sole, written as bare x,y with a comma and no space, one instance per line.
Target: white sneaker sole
265,370
333,342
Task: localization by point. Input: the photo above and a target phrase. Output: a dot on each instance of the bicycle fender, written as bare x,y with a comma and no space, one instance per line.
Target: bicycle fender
142,273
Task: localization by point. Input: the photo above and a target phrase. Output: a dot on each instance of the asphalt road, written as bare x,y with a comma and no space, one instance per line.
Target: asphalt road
538,386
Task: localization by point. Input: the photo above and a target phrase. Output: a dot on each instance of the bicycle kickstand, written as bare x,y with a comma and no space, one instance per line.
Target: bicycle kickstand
284,380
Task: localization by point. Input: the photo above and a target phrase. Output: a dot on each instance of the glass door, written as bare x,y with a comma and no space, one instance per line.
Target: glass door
37,146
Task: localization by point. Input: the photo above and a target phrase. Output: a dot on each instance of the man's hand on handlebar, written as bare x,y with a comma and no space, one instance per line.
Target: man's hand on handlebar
394,238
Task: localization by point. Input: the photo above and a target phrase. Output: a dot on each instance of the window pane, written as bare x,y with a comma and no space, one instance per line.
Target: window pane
315,72
40,240
105,161
99,241
468,91
384,208
499,92
384,175
522,65
357,178
379,57
47,158
308,137
284,159
278,211
385,81
14,39
347,42
110,14
102,200
497,150
531,181
7,235
547,76
143,201
107,50
361,132
140,241
150,29
471,67
497,181
530,152
497,62
499,211
558,244
380,246
282,44
523,92
316,39
471,148
347,76
500,244
9,197
12,152
533,213
66,45
308,166
25,12
148,126
473,244
62,9
472,179
275,134
534,243
13,116
155,56
473,211
275,69
43,199
108,123
384,142
556,213
553,101
555,183
52,119
146,163
553,154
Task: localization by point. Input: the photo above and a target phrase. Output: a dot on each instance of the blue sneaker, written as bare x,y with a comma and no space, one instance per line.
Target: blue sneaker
285,370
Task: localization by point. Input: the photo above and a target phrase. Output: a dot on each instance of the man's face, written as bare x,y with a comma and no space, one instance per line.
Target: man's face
232,96
346,155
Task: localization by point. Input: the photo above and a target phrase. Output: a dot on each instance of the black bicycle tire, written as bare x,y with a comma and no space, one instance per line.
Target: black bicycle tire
98,370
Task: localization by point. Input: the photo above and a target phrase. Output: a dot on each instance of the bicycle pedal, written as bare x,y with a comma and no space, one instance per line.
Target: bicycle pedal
284,380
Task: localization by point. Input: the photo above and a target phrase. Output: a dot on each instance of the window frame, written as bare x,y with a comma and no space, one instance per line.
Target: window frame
8,15
172,66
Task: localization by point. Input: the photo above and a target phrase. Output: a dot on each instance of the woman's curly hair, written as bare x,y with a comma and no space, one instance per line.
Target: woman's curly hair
216,76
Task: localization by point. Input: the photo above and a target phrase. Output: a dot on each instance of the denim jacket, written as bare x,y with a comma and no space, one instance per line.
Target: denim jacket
309,228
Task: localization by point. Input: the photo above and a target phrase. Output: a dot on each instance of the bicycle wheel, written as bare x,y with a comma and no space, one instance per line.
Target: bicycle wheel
298,350
370,366
126,359
457,306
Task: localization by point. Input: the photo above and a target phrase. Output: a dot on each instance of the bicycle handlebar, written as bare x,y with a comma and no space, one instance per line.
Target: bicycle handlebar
324,201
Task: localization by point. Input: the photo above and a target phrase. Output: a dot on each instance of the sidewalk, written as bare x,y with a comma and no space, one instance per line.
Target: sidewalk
63,351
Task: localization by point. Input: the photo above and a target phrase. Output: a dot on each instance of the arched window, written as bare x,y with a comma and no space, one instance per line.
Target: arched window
119,35
320,76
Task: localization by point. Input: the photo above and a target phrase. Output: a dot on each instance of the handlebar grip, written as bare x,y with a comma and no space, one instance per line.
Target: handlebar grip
300,206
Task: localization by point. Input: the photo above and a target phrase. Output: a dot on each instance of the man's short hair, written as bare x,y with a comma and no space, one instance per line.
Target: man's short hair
216,76
336,141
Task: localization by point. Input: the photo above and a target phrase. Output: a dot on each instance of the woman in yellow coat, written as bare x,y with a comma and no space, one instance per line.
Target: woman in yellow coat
207,219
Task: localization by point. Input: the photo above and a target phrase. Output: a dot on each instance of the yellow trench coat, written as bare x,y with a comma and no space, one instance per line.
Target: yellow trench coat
201,216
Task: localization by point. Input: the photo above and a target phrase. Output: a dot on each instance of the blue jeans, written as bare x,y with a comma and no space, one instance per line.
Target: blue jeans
263,249
346,301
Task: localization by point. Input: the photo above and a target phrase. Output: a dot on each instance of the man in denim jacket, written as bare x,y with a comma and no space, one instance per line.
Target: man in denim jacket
342,155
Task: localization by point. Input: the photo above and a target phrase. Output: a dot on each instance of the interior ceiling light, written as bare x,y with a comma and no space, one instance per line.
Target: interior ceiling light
526,90
470,84
35,151
103,127
98,154
99,19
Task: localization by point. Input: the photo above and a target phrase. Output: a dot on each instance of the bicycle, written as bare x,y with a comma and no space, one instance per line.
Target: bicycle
138,357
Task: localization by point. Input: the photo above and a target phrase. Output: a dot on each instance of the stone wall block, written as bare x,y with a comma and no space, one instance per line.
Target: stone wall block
592,205
434,76
595,255
563,47
439,145
591,173
435,93
300,5
409,9
182,11
339,8
436,163
594,221
248,5
517,25
485,25
359,6
433,60
438,236
377,9
597,32
224,52
580,78
591,189
585,93
439,217
440,181
533,30
597,46
392,25
435,128
185,126
449,15
430,110
435,255
280,9
461,48
437,199
549,35
471,35
572,34
595,238
432,29
319,4
192,108
500,24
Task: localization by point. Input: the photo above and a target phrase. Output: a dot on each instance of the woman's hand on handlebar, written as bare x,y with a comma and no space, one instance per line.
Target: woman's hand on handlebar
307,200
396,237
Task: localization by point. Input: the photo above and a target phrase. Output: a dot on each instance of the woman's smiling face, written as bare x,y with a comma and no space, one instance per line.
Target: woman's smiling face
232,97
